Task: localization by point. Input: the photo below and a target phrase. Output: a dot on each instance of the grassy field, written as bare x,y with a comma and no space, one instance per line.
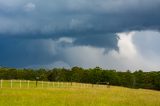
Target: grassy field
79,95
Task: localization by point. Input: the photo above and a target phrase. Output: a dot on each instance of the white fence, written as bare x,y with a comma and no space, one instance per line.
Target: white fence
45,84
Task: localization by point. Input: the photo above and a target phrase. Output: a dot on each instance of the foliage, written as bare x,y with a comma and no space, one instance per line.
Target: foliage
137,79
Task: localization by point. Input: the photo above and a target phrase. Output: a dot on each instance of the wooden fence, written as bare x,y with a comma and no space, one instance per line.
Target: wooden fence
45,84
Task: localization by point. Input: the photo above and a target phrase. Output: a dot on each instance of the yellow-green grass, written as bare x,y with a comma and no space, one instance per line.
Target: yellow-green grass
78,96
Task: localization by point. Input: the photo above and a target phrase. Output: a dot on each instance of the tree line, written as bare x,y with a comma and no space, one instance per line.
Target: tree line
137,79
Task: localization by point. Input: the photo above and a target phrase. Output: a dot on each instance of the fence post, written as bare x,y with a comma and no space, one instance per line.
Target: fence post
48,84
1,83
20,84
42,84
58,84
28,84
11,83
67,84
53,84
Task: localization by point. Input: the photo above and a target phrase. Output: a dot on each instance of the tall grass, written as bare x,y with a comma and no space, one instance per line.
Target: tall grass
77,96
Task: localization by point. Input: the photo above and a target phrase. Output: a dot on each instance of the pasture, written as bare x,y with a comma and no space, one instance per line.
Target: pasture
18,93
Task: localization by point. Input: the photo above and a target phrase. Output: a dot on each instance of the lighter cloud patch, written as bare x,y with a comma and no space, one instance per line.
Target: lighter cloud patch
57,64
126,46
65,40
29,7
84,56
75,23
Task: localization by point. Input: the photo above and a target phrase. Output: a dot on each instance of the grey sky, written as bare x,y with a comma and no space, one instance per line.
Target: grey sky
40,33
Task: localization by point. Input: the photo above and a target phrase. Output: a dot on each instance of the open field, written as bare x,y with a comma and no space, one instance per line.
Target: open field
76,96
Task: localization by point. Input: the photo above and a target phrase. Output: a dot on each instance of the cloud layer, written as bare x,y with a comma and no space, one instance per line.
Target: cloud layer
117,34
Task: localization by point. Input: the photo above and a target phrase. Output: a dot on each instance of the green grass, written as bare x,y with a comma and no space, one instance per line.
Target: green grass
76,95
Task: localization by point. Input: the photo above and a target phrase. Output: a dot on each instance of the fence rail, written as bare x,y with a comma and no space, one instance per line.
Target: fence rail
45,84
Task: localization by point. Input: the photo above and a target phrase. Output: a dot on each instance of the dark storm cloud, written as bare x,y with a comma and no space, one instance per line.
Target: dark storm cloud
21,52
25,24
58,18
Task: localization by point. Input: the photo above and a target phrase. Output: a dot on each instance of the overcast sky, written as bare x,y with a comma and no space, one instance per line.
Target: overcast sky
112,34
